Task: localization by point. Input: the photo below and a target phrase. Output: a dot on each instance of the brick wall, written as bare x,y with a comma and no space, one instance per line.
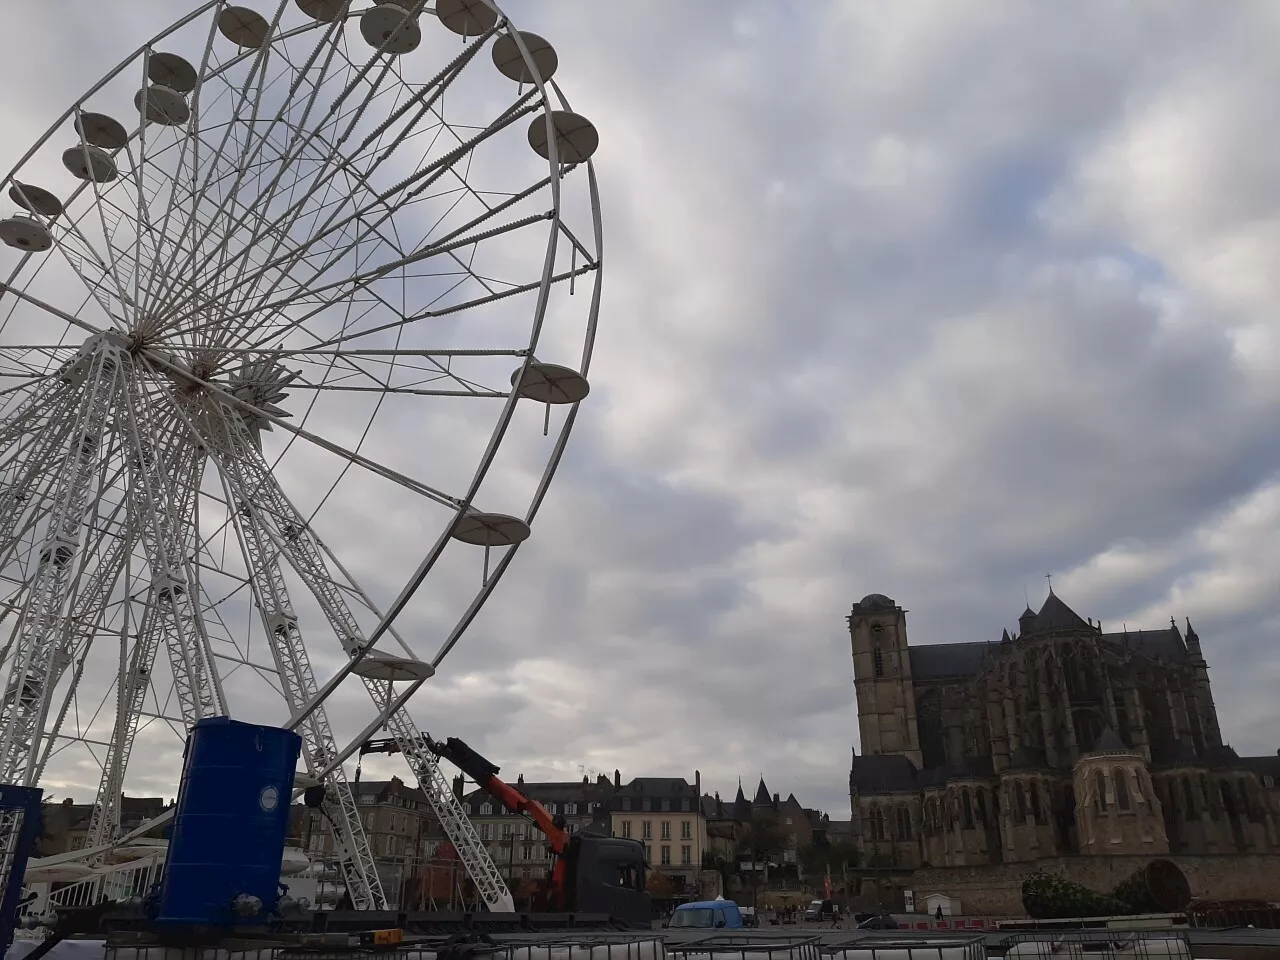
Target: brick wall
996,890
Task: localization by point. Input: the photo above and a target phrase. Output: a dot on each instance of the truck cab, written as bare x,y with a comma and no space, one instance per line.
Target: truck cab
707,915
607,875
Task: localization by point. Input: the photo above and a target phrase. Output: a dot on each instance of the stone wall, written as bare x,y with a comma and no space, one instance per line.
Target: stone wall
996,890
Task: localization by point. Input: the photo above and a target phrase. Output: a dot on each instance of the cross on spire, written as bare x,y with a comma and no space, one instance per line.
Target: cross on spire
1049,577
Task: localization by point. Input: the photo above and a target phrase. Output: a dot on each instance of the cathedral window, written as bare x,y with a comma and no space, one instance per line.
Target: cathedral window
877,823
1212,801
1034,790
1020,802
877,660
1100,791
1188,799
968,810
904,823
1122,790
1228,801
982,807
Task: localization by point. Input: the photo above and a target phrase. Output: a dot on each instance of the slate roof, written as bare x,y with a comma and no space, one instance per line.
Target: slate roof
892,773
1109,742
678,790
1056,615
762,798
1163,645
1263,766
936,660
970,769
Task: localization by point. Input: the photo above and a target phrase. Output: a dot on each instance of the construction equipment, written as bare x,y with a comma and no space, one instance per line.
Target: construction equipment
591,873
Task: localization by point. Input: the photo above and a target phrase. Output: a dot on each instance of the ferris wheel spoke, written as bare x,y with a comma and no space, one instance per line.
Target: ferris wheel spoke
255,76
287,154
453,240
337,449
424,99
190,142
410,187
49,308
346,287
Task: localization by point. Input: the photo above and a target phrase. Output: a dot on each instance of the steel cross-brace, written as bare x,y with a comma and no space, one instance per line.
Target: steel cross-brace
34,656
173,580
132,685
295,541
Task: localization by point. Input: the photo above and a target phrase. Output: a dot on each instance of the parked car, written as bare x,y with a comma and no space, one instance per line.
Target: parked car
706,915
880,921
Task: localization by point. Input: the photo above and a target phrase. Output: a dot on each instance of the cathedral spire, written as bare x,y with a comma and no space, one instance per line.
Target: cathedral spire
1193,640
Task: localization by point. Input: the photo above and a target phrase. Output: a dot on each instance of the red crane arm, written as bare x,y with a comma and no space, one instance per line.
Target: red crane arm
485,774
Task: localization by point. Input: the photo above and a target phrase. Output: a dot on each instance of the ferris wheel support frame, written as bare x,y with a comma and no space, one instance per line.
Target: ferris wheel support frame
190,657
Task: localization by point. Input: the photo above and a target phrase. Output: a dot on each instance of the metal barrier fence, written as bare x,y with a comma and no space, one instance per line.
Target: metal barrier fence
897,947
1098,945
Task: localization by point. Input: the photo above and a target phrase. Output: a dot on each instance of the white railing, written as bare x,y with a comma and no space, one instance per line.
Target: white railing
118,882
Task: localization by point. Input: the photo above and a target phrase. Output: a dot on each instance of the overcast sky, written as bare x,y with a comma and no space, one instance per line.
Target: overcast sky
921,298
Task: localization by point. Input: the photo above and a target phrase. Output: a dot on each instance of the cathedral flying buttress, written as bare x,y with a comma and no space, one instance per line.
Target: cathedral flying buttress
1059,739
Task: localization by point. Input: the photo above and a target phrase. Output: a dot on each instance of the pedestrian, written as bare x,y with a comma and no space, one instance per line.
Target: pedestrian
938,913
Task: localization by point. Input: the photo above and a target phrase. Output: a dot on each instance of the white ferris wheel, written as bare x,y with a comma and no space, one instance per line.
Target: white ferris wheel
297,302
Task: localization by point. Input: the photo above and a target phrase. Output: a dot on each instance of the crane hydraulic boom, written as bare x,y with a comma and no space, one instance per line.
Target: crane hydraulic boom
592,872
485,774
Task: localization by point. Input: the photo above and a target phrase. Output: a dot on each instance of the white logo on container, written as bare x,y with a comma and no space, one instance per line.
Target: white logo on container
269,799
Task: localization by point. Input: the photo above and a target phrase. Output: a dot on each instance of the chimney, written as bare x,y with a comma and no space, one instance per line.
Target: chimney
617,779
457,786
520,779
697,783
775,799
585,780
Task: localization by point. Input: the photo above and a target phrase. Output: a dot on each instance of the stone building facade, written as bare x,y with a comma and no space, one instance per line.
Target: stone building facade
1061,740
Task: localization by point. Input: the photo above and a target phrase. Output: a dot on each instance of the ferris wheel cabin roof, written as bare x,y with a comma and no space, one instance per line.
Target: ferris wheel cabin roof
576,136
35,199
25,233
172,71
470,18
165,106
100,130
244,27
86,162
391,29
376,665
511,63
326,11
551,383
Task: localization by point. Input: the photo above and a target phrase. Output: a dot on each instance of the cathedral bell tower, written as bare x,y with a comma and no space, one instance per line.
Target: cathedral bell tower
882,679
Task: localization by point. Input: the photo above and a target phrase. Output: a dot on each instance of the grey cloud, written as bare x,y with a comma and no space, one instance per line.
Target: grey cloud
893,301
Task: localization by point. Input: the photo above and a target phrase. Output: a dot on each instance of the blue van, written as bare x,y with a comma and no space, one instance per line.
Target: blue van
707,915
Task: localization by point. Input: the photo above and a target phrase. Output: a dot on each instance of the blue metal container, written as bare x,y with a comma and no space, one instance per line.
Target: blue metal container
230,827
19,831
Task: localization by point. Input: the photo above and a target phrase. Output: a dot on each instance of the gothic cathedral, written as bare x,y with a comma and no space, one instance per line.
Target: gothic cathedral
1060,740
